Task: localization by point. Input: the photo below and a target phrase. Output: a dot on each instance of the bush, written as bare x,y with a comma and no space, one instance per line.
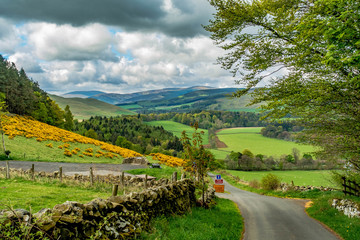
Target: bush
254,183
270,182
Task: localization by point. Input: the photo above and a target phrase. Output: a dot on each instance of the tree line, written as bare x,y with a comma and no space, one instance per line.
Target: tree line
24,96
210,119
130,132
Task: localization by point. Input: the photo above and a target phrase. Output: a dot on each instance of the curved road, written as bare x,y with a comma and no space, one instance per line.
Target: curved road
271,218
72,168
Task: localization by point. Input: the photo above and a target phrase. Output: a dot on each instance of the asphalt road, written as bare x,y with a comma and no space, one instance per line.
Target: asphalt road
271,218
72,168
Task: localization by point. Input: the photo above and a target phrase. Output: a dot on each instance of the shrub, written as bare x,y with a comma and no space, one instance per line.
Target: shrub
270,182
254,183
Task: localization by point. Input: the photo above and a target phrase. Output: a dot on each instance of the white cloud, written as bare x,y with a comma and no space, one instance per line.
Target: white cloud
65,42
9,38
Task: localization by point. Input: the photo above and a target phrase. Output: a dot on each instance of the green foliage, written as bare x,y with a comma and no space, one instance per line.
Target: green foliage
132,132
318,44
270,182
201,224
69,119
91,134
198,157
25,97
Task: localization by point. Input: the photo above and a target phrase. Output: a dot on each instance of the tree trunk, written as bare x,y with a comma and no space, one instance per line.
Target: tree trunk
2,135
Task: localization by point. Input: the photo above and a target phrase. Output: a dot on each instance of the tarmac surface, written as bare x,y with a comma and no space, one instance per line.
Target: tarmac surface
271,218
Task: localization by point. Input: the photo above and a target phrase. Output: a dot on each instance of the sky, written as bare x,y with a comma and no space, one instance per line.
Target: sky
117,46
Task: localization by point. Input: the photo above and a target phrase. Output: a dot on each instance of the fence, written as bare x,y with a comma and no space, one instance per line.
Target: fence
117,181
351,188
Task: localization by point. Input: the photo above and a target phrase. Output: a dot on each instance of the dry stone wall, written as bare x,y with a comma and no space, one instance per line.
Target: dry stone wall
118,217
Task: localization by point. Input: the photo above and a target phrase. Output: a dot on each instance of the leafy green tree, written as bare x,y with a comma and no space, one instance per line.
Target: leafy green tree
91,134
2,112
315,46
198,157
69,119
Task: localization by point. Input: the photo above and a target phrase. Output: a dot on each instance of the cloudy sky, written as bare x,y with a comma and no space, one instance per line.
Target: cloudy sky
117,46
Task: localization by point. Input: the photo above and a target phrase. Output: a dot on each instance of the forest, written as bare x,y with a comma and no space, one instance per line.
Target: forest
130,132
23,96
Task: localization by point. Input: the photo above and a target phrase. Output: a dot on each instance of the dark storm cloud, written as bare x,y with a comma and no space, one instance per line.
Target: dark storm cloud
132,15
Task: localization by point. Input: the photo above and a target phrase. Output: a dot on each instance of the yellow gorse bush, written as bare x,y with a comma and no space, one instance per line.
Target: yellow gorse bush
168,160
25,126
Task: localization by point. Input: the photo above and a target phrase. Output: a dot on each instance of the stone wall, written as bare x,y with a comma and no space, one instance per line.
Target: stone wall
349,208
119,217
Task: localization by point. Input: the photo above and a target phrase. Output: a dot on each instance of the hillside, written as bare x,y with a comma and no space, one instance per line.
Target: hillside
84,108
81,94
151,95
29,139
205,99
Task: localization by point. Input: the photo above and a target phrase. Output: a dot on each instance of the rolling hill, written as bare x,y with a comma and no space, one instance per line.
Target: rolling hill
151,95
84,108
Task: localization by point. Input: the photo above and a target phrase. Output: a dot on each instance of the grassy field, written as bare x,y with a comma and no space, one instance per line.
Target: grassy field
300,178
238,139
221,222
20,193
177,128
28,149
235,104
84,108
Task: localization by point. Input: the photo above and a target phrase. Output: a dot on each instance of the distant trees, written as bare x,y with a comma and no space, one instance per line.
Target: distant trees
247,161
130,132
23,96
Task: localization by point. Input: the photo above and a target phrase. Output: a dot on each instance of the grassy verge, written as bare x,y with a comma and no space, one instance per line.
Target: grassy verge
220,222
163,172
347,228
35,195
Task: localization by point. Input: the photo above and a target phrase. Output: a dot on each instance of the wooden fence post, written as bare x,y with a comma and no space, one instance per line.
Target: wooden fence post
60,174
183,175
115,190
122,179
32,171
174,177
7,170
91,176
146,178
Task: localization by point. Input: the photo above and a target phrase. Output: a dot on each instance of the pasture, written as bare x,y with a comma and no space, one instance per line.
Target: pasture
177,128
301,178
238,139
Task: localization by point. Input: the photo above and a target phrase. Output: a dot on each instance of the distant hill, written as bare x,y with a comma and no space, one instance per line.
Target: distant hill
204,99
151,95
84,108
81,94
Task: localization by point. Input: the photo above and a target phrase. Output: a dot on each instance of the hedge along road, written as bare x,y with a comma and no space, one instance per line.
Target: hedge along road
72,168
274,218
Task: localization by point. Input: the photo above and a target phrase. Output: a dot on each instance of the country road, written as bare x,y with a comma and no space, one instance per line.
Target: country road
72,168
271,218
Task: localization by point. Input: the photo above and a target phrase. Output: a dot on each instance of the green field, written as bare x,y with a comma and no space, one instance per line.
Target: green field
238,139
177,128
84,108
28,149
301,178
26,194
